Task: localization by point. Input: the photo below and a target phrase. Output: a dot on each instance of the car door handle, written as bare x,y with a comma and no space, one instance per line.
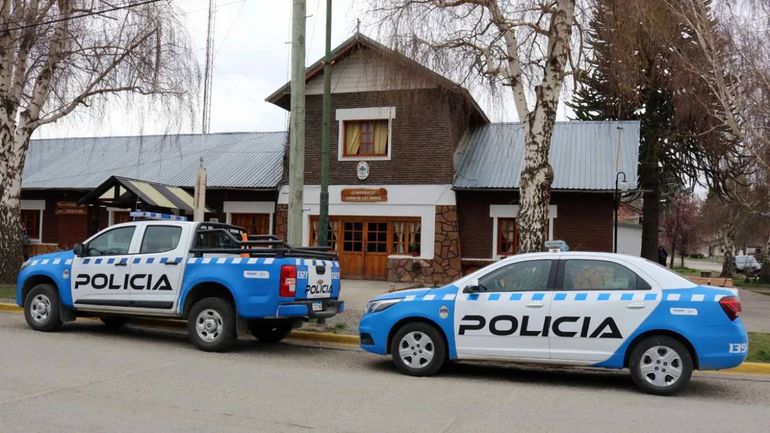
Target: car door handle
121,264
535,304
635,305
171,263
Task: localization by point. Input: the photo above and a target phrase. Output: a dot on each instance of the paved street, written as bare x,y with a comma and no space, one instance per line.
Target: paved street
88,379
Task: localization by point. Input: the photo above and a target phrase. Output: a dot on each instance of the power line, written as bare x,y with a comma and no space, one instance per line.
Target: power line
83,15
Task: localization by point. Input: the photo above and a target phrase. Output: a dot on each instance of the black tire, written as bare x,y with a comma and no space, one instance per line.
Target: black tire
654,370
211,325
42,308
425,339
114,322
270,331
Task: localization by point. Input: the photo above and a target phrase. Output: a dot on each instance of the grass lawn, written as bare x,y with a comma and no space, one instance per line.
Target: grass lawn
687,272
7,291
759,347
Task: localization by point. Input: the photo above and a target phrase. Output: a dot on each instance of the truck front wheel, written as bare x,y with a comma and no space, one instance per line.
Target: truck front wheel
42,309
211,325
270,331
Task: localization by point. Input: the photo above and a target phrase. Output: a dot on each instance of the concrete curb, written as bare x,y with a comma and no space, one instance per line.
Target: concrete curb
755,368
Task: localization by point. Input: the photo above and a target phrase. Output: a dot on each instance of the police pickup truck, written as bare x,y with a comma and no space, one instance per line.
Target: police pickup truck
213,275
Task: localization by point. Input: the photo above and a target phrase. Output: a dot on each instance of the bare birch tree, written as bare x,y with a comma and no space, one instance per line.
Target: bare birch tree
525,45
734,40
59,55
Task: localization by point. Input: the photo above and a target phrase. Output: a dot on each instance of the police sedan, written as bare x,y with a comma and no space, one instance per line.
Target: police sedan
565,308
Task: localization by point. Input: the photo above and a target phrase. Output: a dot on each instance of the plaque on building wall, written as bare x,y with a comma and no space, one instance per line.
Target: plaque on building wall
364,194
362,170
70,208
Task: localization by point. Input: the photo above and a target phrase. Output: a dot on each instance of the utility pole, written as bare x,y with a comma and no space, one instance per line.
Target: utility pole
323,223
209,72
297,124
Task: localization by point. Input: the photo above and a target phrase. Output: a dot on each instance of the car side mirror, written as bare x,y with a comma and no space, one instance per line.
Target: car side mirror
472,287
79,250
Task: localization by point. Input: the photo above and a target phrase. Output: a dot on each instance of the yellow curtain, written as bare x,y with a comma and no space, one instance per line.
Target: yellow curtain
398,238
352,138
381,137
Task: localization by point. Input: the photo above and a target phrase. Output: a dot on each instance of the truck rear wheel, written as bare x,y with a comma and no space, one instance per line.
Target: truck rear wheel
270,331
211,325
42,309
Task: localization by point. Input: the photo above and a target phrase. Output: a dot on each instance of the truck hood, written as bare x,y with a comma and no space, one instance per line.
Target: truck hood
64,255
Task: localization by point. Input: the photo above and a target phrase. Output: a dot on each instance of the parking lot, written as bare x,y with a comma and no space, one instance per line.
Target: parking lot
89,379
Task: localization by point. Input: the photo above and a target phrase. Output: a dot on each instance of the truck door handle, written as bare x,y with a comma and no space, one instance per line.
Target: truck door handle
635,305
121,263
535,304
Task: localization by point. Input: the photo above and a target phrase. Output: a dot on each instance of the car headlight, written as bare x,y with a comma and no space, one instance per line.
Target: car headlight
379,305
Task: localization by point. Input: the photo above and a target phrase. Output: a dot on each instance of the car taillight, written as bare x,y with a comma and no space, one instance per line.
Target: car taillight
732,306
288,281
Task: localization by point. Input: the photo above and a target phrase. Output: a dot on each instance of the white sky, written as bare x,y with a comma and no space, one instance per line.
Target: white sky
251,61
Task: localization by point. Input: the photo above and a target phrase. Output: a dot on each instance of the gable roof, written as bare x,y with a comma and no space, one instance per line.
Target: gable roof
281,97
122,192
233,160
583,156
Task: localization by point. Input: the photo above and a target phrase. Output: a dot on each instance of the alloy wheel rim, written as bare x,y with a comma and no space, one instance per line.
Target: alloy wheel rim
416,349
661,366
209,325
40,308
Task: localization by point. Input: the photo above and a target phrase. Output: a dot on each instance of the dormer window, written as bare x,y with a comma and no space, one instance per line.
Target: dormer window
365,133
366,138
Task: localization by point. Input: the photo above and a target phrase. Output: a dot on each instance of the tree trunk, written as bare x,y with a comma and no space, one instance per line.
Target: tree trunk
11,165
728,267
649,179
681,256
673,254
535,190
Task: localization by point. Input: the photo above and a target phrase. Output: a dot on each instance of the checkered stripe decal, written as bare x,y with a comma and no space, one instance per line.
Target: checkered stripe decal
177,259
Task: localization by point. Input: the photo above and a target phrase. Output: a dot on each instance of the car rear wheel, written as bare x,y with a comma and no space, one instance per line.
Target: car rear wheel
661,365
42,309
270,331
211,325
418,349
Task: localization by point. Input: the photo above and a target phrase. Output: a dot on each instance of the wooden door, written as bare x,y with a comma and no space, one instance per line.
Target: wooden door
352,252
254,223
376,250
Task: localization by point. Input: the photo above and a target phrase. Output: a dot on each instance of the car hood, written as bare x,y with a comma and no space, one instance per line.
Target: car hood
403,293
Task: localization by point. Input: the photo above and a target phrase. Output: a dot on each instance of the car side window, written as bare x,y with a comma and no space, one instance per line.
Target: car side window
518,277
112,243
601,275
159,239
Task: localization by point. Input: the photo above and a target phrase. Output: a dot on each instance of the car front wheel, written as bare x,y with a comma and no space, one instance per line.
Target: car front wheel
418,349
661,365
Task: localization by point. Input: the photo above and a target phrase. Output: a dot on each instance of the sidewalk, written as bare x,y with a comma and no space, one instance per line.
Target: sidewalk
356,293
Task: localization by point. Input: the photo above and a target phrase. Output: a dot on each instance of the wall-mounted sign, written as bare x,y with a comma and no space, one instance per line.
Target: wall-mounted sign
70,208
362,170
366,195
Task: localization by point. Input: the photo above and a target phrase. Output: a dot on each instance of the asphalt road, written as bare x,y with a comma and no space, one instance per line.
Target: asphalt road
89,379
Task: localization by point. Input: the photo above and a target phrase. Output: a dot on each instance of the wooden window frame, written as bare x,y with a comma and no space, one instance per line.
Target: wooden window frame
312,241
39,237
345,153
499,251
235,215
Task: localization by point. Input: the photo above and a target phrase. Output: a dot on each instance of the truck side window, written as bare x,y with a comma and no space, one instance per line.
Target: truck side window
112,243
159,239
215,240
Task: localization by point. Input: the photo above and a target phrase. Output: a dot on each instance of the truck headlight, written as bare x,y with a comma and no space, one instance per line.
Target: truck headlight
379,305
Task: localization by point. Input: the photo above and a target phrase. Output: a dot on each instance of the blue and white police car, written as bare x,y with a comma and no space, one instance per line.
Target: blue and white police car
564,308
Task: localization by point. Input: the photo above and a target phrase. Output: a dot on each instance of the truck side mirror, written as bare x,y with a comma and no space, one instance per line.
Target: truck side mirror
79,249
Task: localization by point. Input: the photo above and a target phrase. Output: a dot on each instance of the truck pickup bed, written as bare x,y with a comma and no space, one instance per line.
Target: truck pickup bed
213,275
